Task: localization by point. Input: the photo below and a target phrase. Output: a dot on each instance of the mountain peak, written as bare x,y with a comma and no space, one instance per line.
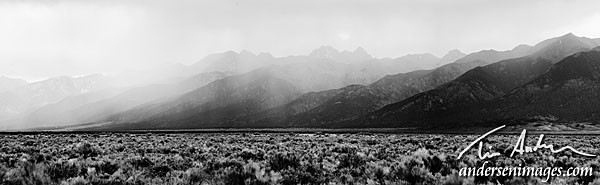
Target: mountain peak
452,56
522,47
228,53
325,52
361,53
420,56
560,47
569,35
265,55
246,52
454,52
360,50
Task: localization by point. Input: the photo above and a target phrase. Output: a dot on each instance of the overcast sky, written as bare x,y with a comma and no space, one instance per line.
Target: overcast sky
46,38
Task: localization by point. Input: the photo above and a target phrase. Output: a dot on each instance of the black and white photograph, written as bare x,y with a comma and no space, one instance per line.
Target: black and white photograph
295,92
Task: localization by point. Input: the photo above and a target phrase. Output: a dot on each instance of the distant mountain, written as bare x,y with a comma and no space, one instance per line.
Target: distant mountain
219,104
478,85
307,73
319,75
355,103
160,74
407,63
308,76
557,48
414,62
326,88
7,83
523,49
233,62
10,105
358,66
90,107
57,114
326,107
490,55
324,74
451,56
325,52
278,116
348,57
37,94
568,92
55,89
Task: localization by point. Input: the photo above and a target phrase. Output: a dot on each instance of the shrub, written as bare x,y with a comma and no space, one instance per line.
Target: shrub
351,161
196,176
107,167
141,162
27,173
159,170
86,149
75,181
59,171
282,161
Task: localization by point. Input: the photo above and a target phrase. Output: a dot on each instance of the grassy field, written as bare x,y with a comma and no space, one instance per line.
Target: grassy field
271,158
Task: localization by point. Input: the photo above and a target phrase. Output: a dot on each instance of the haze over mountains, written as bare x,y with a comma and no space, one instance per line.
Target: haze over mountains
10,83
67,100
29,96
326,88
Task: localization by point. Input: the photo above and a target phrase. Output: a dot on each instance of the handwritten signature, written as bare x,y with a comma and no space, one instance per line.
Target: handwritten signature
519,146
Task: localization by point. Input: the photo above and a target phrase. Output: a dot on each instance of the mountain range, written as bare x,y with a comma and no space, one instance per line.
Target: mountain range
61,101
89,107
30,96
554,79
463,99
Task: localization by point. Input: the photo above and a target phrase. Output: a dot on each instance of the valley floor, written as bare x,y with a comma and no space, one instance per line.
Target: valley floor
269,158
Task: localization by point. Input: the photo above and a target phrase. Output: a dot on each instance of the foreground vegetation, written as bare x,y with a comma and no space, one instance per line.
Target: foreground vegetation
269,158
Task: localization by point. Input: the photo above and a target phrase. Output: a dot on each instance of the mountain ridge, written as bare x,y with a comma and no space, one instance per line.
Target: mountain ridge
478,85
326,88
219,102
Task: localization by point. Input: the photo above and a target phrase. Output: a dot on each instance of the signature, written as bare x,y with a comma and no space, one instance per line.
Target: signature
519,146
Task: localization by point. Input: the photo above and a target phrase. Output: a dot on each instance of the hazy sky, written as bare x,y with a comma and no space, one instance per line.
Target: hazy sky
46,38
